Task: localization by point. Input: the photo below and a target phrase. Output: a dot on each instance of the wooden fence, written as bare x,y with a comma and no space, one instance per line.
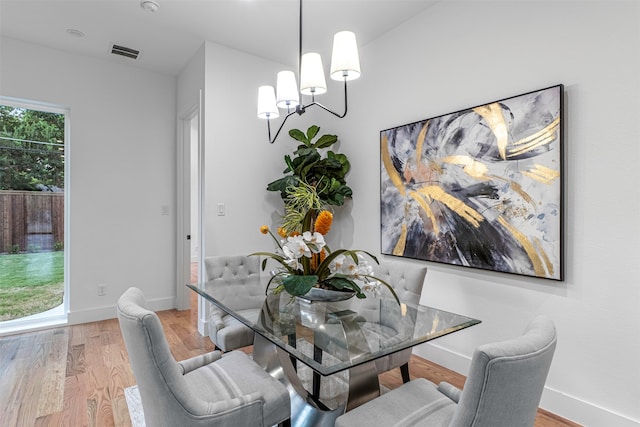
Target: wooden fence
31,221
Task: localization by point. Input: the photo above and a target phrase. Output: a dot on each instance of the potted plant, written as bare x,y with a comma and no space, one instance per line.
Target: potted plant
312,184
312,180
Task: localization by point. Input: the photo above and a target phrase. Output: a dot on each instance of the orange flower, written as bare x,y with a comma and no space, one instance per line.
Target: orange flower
316,259
294,234
264,229
323,222
282,232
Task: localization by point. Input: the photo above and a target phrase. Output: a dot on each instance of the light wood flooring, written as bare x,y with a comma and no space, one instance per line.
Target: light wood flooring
76,375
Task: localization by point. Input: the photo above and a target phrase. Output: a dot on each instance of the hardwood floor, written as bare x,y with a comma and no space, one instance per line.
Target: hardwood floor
76,375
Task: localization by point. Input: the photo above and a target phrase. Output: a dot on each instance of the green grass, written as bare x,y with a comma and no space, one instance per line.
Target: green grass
30,283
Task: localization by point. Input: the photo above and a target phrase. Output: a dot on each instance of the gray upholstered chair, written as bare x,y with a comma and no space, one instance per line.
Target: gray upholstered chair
503,389
210,389
407,280
235,281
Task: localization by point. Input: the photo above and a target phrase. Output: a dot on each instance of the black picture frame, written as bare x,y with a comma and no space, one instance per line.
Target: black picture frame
481,187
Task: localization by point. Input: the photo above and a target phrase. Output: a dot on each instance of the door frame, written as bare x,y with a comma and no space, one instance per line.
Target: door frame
183,205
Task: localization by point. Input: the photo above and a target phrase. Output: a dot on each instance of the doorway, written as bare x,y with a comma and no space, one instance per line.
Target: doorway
189,207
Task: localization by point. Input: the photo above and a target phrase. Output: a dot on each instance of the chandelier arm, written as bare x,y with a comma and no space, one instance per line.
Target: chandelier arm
340,116
271,141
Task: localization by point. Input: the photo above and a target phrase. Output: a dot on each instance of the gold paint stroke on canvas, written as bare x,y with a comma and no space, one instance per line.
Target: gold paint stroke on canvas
543,137
544,256
492,115
466,212
427,210
542,174
527,245
388,165
518,189
470,166
398,250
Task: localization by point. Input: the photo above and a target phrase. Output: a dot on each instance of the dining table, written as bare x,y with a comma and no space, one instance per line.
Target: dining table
325,351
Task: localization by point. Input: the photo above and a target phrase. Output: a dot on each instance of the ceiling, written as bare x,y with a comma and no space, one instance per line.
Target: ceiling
169,37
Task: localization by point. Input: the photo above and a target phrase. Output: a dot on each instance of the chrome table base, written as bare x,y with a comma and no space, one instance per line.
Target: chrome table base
307,410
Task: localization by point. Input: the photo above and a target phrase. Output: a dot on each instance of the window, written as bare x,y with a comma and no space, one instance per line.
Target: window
33,138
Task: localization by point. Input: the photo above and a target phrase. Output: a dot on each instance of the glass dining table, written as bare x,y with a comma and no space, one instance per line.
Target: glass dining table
325,352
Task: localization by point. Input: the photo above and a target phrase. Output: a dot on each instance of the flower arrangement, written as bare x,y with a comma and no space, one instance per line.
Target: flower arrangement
306,261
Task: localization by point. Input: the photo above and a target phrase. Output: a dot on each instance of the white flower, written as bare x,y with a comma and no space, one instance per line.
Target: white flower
336,265
374,287
314,241
290,258
298,247
353,269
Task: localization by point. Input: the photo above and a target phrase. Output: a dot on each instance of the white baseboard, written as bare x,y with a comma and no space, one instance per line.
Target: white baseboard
554,401
95,314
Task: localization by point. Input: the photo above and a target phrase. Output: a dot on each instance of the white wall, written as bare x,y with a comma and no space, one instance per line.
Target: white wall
456,55
122,170
460,54
239,160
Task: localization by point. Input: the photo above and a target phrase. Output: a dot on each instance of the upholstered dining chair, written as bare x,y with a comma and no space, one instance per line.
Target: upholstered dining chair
210,389
236,282
407,281
503,389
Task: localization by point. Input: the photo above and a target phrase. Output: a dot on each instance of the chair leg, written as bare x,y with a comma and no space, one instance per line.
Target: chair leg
291,338
404,370
317,356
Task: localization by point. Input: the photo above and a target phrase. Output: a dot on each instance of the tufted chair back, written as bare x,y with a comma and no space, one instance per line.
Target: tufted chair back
235,280
406,279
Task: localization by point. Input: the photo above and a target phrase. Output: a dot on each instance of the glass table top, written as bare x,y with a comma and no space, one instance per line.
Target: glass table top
332,337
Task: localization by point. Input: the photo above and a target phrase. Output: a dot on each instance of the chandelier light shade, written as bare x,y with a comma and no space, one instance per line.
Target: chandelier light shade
267,108
312,80
345,66
287,90
345,63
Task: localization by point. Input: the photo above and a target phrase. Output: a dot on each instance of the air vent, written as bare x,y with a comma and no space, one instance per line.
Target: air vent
125,51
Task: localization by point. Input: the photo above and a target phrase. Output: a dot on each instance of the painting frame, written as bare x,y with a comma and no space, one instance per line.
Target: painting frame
482,187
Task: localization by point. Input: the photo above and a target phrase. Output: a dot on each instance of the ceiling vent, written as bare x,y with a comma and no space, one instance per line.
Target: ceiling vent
124,51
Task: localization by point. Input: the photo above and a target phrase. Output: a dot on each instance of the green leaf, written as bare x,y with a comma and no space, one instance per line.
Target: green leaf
287,160
325,141
300,164
340,282
299,285
312,132
282,184
298,135
303,150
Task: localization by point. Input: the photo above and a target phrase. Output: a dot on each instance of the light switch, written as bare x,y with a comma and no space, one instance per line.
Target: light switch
164,210
221,209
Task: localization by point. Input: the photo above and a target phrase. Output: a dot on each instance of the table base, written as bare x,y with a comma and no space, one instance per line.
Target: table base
306,409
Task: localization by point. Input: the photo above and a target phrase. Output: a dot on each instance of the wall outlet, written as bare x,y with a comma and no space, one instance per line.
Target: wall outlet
102,290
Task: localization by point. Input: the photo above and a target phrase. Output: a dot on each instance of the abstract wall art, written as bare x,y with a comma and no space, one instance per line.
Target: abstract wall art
480,188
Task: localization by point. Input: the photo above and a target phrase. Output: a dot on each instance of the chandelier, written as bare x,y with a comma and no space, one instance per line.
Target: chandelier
345,66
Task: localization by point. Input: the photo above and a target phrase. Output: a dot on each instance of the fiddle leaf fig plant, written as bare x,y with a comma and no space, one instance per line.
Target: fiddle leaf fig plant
326,175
